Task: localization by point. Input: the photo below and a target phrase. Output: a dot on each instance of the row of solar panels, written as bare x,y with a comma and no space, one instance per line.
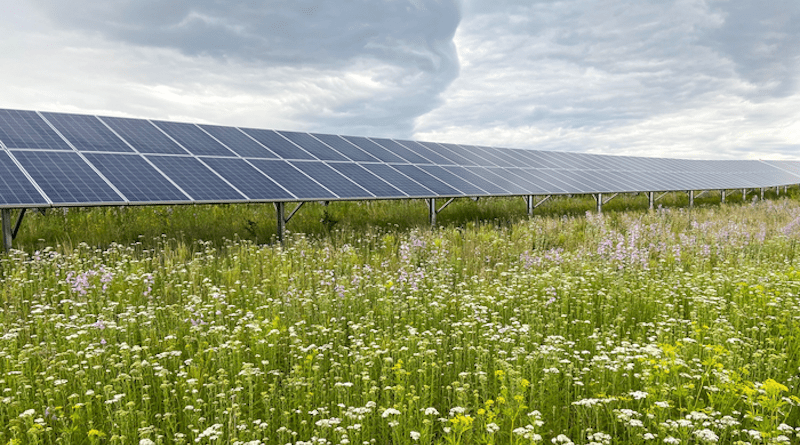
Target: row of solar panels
56,159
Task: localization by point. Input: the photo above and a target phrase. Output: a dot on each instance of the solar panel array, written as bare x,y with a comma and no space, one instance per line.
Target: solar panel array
57,159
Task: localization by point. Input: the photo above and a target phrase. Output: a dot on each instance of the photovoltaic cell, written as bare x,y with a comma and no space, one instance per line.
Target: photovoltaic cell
313,146
15,188
193,139
399,180
278,144
518,176
345,148
87,133
426,152
135,178
374,149
430,182
65,178
195,178
367,180
25,129
143,136
496,175
541,185
292,179
477,180
455,158
248,179
491,155
401,151
332,180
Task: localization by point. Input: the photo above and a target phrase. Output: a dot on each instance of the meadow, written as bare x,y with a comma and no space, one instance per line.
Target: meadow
189,325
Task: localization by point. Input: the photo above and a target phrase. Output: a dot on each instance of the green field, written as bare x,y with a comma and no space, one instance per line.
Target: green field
187,325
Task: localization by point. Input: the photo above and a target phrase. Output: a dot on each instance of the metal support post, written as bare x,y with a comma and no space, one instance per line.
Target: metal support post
651,197
8,236
529,200
432,211
762,193
722,196
280,209
691,198
744,194
599,203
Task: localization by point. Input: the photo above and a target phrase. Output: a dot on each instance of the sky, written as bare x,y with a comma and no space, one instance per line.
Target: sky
701,79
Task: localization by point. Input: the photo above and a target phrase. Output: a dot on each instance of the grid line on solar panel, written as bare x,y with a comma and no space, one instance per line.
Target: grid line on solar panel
367,180
398,180
528,158
375,149
193,139
313,146
426,152
444,152
346,148
292,179
453,180
515,186
515,176
66,178
26,129
278,144
489,160
86,133
238,141
15,187
401,151
249,180
477,180
136,178
547,185
195,178
332,180
426,179
143,136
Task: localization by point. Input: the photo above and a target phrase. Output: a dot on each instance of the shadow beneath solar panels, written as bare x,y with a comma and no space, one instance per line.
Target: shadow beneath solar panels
148,227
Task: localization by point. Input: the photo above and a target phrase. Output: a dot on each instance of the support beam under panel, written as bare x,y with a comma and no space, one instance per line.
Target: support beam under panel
610,198
280,210
6,223
18,224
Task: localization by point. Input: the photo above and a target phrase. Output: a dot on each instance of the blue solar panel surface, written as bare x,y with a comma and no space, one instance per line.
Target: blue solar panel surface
25,129
135,178
66,178
87,133
141,161
15,188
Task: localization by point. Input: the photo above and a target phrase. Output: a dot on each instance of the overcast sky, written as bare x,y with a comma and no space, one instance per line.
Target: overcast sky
710,79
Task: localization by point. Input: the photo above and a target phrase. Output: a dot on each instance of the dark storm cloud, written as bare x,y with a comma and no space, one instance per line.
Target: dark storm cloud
410,41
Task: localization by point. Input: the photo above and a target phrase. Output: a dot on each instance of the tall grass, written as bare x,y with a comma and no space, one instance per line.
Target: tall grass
666,326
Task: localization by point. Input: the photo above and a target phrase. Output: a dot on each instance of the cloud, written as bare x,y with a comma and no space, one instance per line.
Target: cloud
370,64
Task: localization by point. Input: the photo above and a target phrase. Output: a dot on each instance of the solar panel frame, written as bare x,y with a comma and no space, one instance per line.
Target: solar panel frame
367,180
375,150
314,146
453,180
334,181
16,187
425,152
131,174
399,181
443,151
87,133
197,179
346,148
477,180
293,180
192,138
28,130
239,142
436,185
492,158
400,150
143,136
251,181
284,148
517,186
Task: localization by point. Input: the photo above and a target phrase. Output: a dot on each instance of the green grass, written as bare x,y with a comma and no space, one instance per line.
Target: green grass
368,326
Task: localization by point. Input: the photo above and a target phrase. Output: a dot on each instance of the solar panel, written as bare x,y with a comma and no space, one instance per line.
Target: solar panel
480,156
87,133
333,180
367,180
399,180
313,146
135,178
25,129
346,148
374,149
238,141
15,188
143,136
447,154
278,144
66,178
453,180
529,158
197,180
292,179
192,138
497,175
533,185
467,174
426,152
248,179
401,151
432,183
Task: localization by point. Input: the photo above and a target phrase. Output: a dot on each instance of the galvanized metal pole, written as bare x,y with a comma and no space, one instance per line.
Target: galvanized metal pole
530,205
744,194
722,196
762,193
432,211
691,198
7,235
599,203
280,209
651,196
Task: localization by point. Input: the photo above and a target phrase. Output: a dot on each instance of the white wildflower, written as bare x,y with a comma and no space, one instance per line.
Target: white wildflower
706,435
415,436
431,411
390,412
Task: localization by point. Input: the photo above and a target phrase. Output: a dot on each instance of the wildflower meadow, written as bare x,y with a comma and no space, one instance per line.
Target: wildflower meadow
667,326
